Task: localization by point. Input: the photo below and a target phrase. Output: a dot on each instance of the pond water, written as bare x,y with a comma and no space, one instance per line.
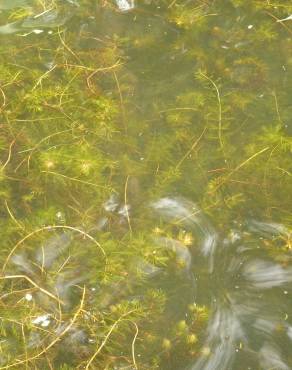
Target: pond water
145,184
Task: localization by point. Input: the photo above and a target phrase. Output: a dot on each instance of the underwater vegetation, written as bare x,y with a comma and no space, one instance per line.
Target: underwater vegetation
145,184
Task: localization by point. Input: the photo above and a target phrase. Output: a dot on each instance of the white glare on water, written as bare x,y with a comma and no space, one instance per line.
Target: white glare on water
240,284
125,5
241,280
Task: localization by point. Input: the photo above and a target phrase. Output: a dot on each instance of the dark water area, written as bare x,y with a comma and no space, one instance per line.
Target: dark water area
145,185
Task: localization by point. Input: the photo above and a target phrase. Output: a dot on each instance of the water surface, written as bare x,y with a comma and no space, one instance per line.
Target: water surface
145,184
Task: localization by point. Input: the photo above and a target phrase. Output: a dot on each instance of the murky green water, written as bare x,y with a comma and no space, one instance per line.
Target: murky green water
145,184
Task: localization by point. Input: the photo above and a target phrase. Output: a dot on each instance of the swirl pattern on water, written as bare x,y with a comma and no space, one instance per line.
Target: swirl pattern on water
247,289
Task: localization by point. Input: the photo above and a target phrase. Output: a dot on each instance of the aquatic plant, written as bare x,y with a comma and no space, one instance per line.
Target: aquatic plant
104,114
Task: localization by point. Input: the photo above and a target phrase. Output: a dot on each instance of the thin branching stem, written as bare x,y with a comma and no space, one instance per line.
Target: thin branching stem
12,216
103,343
21,276
227,177
219,108
55,341
50,228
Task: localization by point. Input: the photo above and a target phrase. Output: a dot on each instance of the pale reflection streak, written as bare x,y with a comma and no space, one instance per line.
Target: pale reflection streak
245,318
188,214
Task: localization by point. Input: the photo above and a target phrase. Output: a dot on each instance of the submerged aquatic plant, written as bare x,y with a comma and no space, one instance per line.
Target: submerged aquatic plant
110,120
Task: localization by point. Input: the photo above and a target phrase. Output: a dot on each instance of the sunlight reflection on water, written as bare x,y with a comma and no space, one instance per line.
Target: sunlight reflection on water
247,291
243,322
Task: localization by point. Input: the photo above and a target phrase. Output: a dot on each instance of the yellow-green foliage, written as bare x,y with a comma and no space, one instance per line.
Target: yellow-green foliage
182,97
